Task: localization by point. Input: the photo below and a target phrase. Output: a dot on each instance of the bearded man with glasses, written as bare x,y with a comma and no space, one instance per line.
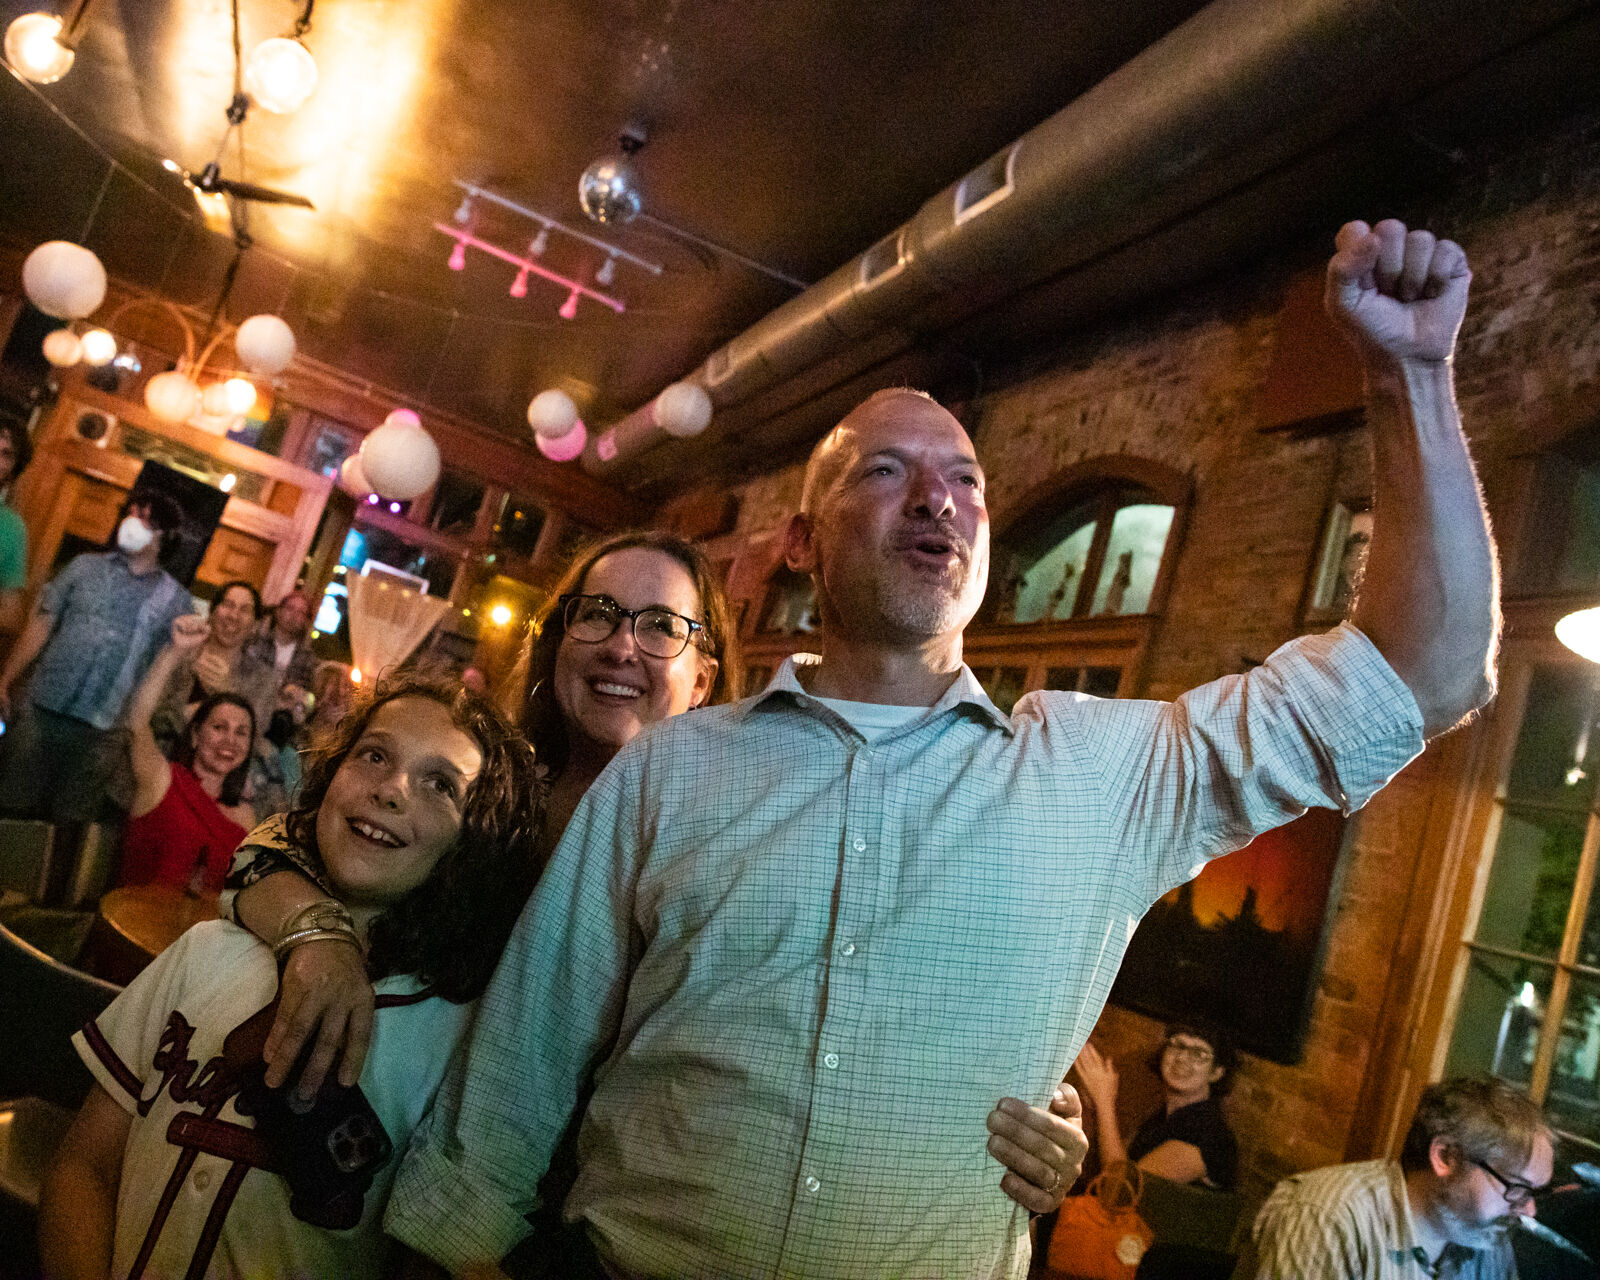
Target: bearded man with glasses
1475,1156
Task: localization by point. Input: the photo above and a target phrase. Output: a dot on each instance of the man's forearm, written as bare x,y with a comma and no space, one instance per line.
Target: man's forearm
1429,600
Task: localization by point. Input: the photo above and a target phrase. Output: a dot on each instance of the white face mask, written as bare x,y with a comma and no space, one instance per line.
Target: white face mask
134,535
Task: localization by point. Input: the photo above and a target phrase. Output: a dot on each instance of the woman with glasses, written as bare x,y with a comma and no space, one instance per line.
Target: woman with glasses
637,630
1188,1139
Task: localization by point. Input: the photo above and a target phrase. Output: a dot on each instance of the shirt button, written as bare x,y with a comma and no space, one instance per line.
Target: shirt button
859,845
813,1184
849,949
831,1061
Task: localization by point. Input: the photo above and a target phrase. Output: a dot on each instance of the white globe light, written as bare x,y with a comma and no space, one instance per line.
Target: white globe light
400,458
352,478
265,345
563,448
172,397
99,348
683,409
1580,632
228,399
280,75
63,348
34,48
552,414
64,280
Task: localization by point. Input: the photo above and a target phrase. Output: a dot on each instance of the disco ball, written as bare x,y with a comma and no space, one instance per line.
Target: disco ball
609,190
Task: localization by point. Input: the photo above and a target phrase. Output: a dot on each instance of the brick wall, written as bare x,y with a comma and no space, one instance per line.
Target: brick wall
1178,383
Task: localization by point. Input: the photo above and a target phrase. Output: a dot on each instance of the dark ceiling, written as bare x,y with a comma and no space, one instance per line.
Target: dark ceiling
796,134
793,133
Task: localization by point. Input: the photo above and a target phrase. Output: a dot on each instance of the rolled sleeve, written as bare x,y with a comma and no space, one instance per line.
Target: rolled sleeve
1324,722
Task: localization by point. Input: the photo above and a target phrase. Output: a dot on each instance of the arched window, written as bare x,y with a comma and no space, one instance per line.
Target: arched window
1080,567
1097,557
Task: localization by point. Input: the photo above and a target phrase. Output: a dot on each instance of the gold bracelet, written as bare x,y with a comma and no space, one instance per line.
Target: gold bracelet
326,913
290,941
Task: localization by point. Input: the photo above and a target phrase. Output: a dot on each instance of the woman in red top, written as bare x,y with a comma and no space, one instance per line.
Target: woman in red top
188,814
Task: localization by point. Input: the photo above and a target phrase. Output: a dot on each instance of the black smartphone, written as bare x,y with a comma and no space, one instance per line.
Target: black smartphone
327,1149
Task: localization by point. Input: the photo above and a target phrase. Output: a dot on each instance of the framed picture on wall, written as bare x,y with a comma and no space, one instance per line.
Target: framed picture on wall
1341,559
1241,944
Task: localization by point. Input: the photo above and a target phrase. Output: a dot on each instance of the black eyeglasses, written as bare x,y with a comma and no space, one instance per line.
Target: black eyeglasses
658,632
1515,1193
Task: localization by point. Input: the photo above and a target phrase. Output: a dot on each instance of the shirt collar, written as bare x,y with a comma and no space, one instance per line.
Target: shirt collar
1404,1244
964,691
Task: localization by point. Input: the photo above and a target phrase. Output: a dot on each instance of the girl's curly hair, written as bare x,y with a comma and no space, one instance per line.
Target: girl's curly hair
450,929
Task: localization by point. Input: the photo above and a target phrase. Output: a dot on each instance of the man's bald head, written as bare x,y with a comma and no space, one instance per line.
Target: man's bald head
821,466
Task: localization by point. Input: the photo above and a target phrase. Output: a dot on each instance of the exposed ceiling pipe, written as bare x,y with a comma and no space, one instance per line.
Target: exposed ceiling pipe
1242,87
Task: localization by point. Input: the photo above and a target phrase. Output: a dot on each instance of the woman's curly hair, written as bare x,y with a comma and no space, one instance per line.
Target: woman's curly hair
450,929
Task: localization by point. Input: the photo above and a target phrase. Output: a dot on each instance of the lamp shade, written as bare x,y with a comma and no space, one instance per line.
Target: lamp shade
1580,632
172,396
34,48
64,280
265,345
62,348
563,448
280,75
352,478
683,409
552,413
400,458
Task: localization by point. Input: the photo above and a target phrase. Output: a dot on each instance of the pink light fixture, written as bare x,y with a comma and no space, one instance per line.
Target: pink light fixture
519,286
525,267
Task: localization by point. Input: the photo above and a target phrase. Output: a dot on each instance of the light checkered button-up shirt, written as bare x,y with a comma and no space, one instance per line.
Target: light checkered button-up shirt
800,969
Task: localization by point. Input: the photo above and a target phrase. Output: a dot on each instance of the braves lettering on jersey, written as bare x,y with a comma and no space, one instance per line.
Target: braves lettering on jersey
197,1199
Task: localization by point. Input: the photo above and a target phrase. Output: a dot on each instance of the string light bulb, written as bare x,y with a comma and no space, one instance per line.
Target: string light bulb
34,48
569,308
280,75
519,286
458,257
607,272
541,242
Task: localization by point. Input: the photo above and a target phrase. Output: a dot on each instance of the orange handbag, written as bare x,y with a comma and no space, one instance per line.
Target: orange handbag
1100,1235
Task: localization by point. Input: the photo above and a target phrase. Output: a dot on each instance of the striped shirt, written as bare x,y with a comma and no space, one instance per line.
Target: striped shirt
797,969
1353,1222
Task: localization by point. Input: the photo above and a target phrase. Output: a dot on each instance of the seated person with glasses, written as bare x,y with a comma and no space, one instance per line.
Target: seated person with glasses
1477,1153
1188,1139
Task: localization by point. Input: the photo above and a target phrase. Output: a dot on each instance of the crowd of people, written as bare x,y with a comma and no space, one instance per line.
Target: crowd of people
637,976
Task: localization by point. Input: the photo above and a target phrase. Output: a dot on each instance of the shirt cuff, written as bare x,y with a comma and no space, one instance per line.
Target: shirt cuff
441,1209
1365,716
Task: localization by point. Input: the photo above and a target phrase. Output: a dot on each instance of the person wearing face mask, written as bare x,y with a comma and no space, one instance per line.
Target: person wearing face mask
1476,1153
96,629
188,813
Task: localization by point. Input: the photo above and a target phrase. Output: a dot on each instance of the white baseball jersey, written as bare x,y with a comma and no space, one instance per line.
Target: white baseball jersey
184,1212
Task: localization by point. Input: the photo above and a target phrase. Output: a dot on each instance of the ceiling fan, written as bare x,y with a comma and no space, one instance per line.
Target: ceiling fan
209,181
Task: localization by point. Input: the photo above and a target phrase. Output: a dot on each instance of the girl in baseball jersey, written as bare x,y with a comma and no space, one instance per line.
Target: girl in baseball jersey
421,810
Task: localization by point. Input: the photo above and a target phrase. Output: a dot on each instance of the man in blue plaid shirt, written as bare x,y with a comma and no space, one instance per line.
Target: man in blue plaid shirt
791,948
